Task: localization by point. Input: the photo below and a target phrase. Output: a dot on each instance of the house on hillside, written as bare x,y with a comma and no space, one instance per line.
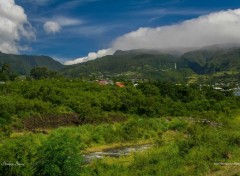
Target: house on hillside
119,84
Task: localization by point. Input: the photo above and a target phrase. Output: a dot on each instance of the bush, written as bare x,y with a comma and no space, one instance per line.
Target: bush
59,155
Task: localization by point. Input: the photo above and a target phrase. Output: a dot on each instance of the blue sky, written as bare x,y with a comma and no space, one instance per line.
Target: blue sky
91,25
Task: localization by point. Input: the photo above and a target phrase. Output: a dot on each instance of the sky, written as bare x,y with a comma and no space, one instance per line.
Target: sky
80,30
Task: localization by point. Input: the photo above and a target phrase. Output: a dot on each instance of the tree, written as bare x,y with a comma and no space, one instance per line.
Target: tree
6,68
39,72
42,72
6,74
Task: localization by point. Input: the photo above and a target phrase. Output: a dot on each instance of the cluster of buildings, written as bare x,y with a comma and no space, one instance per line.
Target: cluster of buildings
110,82
235,88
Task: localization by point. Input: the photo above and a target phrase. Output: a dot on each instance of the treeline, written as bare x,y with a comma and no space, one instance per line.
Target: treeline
94,103
36,73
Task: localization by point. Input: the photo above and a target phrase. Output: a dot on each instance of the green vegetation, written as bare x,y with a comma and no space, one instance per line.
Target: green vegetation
6,74
22,64
217,65
182,147
42,72
154,65
23,101
191,128
49,124
142,65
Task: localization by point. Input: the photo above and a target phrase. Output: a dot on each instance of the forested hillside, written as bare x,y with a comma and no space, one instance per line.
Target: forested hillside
121,64
211,61
22,64
155,65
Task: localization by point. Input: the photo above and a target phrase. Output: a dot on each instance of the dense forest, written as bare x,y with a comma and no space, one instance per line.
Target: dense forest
49,123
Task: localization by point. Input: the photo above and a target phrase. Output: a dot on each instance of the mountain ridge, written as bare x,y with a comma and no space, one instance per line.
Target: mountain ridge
22,64
142,63
152,64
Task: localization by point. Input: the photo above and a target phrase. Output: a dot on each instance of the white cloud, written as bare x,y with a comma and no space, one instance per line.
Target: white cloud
66,21
216,28
14,26
91,56
55,24
51,27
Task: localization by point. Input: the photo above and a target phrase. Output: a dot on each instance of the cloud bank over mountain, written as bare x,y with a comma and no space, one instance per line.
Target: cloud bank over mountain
14,26
215,28
91,56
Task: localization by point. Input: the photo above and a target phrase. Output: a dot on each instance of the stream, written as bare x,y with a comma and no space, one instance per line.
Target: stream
116,152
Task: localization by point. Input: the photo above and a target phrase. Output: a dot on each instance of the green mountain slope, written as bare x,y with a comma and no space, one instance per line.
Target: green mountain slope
130,64
22,64
152,64
211,61
139,64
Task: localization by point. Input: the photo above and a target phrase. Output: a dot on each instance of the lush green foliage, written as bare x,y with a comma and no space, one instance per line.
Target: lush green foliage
182,147
94,103
58,155
41,73
192,128
6,74
191,150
